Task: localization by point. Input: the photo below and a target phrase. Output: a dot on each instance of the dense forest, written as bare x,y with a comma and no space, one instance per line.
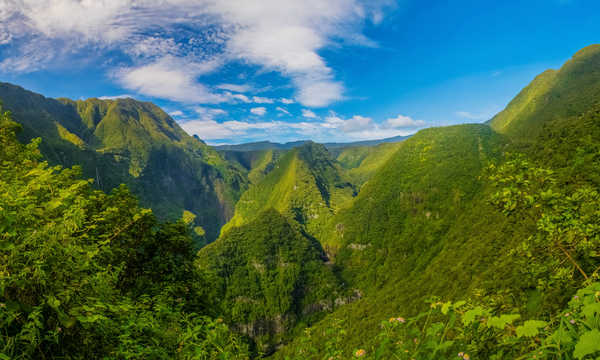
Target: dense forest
475,241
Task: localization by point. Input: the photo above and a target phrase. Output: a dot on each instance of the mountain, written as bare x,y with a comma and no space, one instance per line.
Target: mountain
469,241
427,222
305,184
554,94
268,145
271,277
255,164
361,162
135,143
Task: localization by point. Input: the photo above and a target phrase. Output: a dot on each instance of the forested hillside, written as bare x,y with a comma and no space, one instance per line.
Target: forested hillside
473,241
509,223
272,279
135,143
88,275
305,184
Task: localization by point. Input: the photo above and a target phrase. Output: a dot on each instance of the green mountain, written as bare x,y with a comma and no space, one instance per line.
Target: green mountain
305,184
475,241
271,278
362,162
135,143
255,164
268,145
455,213
554,94
86,274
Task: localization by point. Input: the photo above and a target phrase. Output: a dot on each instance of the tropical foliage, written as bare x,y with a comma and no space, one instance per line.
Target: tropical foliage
84,274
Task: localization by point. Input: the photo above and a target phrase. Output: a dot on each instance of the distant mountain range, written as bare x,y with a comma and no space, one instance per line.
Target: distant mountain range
268,145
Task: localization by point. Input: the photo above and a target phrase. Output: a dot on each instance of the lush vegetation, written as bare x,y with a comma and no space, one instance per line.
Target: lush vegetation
305,184
271,278
363,161
465,331
476,241
135,143
84,274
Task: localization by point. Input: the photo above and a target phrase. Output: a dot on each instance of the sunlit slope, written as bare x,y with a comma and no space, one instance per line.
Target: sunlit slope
416,214
554,94
305,185
256,164
362,162
136,143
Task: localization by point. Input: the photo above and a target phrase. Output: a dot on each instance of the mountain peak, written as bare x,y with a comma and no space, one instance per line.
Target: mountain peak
553,94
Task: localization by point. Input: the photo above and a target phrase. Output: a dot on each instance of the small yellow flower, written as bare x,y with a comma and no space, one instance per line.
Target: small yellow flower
360,353
466,356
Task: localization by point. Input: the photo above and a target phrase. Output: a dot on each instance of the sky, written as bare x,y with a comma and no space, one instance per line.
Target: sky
234,71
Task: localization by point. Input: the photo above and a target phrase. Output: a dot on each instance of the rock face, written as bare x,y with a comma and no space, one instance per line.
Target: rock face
136,143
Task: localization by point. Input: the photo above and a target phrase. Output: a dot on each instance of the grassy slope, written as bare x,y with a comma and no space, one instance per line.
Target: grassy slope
305,185
362,162
136,143
405,221
423,225
553,95
255,164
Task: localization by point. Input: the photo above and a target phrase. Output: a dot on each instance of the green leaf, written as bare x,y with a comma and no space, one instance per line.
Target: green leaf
590,310
530,328
459,304
446,307
588,343
53,302
501,321
470,315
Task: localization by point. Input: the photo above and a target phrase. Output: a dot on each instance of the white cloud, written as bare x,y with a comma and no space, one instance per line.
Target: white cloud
170,78
285,36
176,113
207,129
309,114
354,124
286,101
402,121
239,97
207,113
213,130
332,128
279,108
239,88
262,100
260,111
318,93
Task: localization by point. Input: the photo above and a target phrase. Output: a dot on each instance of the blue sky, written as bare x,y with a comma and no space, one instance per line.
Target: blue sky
234,71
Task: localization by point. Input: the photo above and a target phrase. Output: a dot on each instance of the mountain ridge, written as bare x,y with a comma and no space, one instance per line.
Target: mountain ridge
136,143
268,145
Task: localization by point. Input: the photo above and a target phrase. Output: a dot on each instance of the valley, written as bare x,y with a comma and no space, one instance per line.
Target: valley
302,250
